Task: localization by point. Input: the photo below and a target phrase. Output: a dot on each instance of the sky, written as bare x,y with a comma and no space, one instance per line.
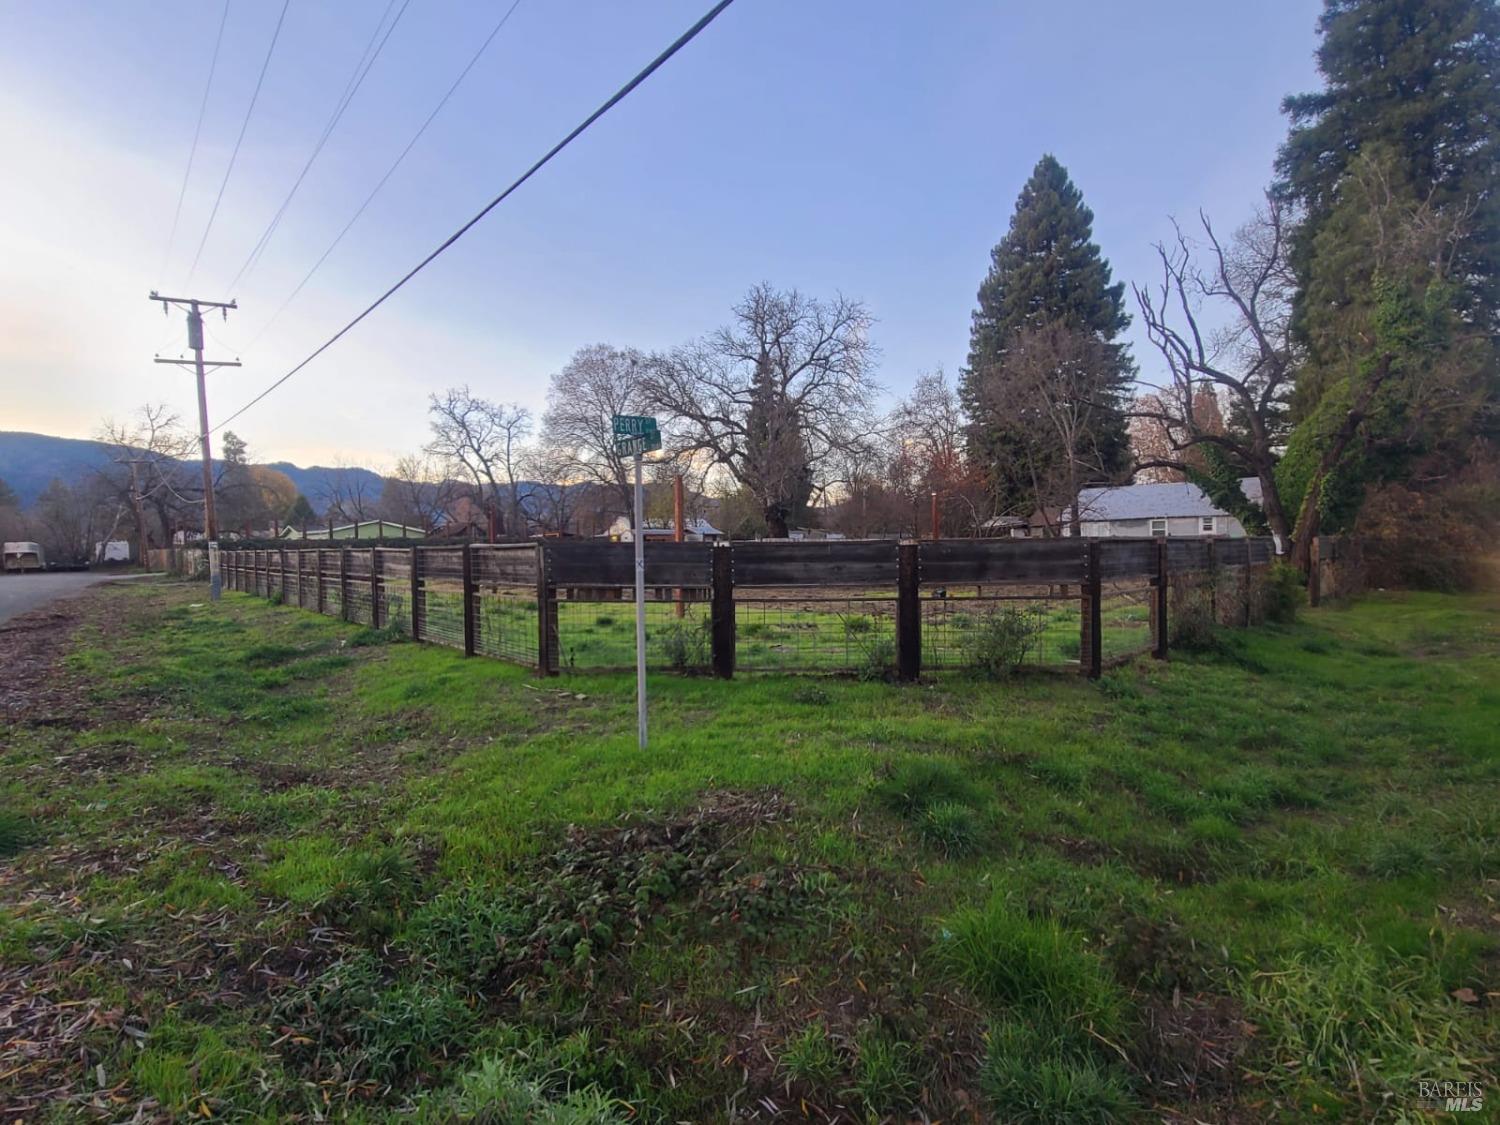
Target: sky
872,148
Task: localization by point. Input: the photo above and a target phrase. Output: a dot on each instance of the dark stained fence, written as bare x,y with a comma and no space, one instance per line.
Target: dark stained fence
877,608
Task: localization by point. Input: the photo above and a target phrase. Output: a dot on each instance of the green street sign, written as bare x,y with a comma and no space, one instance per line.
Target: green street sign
634,425
632,446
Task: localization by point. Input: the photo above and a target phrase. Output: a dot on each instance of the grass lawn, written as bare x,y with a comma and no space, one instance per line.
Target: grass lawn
260,864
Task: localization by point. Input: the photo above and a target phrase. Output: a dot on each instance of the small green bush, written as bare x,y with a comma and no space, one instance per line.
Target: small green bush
1000,641
368,637
1284,593
857,625
879,662
950,827
683,643
884,1077
604,621
15,832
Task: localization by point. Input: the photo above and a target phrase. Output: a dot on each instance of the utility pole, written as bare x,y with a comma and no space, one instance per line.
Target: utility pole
195,309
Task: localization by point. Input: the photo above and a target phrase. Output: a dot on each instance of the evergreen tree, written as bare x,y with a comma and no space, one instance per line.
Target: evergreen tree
1046,270
300,513
1417,80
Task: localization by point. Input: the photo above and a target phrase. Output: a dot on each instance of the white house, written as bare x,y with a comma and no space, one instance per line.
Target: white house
663,531
1142,510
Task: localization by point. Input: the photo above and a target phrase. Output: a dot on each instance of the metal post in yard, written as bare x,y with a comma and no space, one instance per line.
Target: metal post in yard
908,613
416,592
468,557
1090,658
678,534
374,588
1159,603
721,611
640,608
546,617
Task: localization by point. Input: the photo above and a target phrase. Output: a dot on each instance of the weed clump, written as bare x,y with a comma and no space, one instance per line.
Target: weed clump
951,827
684,644
914,786
999,641
878,663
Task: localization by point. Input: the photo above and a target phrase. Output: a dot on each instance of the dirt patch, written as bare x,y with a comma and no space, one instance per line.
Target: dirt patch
1193,1049
35,690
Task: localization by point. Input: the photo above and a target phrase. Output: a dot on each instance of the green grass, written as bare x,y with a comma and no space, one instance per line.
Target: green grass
325,872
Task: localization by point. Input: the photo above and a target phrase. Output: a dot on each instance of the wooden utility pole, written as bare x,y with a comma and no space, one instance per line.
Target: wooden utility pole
195,309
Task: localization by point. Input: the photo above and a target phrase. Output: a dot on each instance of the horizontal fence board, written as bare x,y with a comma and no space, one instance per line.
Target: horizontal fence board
1001,560
815,564
1127,558
503,566
1262,550
1232,552
1187,554
613,564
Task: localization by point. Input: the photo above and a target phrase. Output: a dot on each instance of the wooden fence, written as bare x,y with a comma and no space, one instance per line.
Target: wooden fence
841,606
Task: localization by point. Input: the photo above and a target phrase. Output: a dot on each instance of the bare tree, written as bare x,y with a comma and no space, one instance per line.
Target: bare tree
774,397
348,492
1046,393
554,500
148,455
927,428
484,440
578,440
1250,360
418,492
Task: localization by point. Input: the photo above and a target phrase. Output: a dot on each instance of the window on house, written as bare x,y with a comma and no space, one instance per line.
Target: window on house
1208,525
1158,527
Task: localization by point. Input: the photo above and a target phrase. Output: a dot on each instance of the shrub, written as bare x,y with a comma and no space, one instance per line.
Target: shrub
604,621
15,832
1190,618
879,661
857,625
1000,641
950,827
1285,592
683,643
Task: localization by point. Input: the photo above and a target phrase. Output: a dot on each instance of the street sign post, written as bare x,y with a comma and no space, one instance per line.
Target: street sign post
636,434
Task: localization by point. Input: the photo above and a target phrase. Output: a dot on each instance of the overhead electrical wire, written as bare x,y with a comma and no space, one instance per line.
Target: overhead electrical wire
389,172
356,79
245,124
618,96
213,65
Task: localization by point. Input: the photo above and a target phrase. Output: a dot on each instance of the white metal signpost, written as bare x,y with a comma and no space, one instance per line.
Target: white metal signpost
636,434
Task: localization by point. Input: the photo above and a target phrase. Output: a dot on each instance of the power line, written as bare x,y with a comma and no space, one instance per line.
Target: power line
389,172
249,111
356,79
619,95
193,151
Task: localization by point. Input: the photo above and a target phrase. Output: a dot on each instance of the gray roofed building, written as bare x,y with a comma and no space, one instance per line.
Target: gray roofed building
1141,510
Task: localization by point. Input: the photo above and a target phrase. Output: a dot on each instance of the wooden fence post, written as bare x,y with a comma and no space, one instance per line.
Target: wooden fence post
1314,575
1090,656
1246,584
322,593
416,593
547,660
281,557
1159,603
344,583
375,589
908,613
721,611
468,557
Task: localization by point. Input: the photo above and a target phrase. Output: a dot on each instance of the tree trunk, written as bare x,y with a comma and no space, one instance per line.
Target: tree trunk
776,521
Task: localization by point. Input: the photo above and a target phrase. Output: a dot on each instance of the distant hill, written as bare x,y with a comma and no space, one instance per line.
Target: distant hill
29,462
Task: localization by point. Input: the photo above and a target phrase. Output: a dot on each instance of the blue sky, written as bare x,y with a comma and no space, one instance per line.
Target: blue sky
871,148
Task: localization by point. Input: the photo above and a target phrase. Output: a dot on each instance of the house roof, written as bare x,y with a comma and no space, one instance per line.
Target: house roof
1145,501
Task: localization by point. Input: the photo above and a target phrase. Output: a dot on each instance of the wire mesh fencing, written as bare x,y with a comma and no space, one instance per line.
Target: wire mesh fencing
875,609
